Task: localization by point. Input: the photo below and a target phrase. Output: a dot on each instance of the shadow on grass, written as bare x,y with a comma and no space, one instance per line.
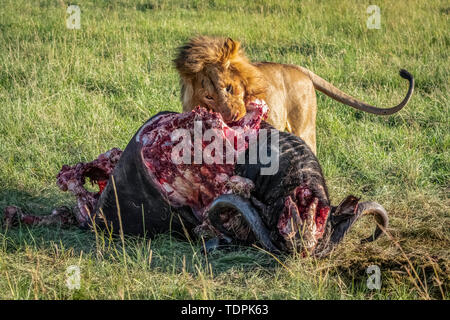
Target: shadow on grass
164,252
42,237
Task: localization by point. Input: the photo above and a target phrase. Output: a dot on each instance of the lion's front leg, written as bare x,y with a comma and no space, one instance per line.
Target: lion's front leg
302,109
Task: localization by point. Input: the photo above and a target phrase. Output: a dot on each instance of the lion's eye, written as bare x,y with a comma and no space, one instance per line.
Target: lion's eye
209,97
229,88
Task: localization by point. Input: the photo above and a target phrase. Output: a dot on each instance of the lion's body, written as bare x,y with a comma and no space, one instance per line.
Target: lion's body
216,74
291,97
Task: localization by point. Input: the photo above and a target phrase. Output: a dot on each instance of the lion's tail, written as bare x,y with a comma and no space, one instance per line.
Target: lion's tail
333,92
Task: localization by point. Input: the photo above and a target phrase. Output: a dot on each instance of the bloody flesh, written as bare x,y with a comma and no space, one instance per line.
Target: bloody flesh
198,184
73,179
305,214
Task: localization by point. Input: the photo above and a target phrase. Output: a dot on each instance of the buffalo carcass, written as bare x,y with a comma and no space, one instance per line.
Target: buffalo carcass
143,191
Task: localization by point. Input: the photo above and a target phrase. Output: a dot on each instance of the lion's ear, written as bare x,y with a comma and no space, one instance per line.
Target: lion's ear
233,46
230,50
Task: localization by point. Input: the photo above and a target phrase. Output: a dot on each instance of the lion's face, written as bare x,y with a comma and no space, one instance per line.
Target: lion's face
215,74
221,91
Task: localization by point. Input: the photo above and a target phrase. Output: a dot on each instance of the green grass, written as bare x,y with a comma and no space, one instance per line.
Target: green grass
68,95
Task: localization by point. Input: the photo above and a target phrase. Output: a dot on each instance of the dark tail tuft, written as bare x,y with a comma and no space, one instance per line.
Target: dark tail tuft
405,74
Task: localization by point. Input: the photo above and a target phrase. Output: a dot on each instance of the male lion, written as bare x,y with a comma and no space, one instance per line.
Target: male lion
216,74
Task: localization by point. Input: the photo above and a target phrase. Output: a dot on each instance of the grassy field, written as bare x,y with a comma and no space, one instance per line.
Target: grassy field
68,95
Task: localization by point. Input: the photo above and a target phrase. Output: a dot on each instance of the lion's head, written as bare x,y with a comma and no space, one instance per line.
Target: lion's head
216,74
